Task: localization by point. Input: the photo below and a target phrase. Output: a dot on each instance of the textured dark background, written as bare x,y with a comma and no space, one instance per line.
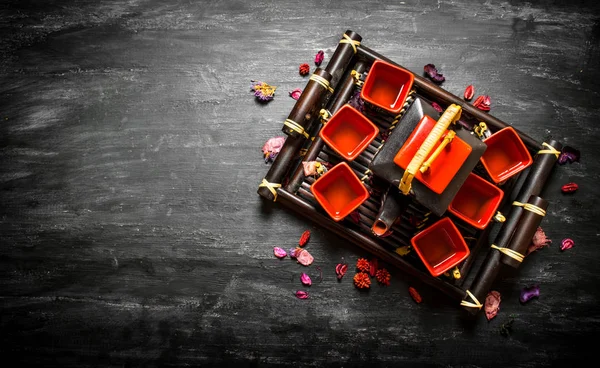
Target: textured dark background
131,233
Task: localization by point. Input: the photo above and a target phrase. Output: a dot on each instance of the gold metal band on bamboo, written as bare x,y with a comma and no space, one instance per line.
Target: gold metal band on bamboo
550,150
509,252
322,81
272,187
531,208
476,303
352,42
295,127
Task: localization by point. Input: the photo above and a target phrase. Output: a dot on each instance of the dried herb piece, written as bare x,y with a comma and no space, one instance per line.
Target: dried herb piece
340,270
539,241
262,91
303,257
305,279
492,304
304,69
569,188
383,277
373,266
362,280
437,107
483,103
403,250
357,102
304,238
279,252
301,294
295,94
355,216
433,74
272,147
363,265
529,292
566,244
415,295
568,154
319,57
469,92
506,327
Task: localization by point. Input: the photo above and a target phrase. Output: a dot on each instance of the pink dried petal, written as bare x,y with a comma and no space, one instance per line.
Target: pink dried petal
437,107
492,304
301,294
272,147
303,257
539,241
529,292
295,94
279,252
340,270
566,244
305,279
483,103
469,92
310,167
319,57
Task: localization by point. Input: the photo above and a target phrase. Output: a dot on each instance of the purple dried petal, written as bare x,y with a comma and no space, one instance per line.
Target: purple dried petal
293,252
465,124
301,294
432,73
272,147
279,252
319,57
529,292
569,154
492,304
357,102
305,279
437,107
263,91
295,94
566,244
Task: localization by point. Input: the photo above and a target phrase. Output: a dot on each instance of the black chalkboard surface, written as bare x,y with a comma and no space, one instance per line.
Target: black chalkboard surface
131,233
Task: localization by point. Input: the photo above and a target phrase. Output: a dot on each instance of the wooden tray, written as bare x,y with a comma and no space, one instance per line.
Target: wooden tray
326,93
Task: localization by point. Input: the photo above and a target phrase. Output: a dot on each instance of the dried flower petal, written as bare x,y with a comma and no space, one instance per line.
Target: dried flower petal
373,265
569,188
433,74
355,216
305,279
539,241
363,265
469,92
492,304
272,147
304,69
301,294
294,252
262,91
383,277
506,327
362,280
319,57
313,168
279,252
304,238
437,107
340,270
295,94
415,295
569,154
483,103
303,257
529,292
357,102
566,244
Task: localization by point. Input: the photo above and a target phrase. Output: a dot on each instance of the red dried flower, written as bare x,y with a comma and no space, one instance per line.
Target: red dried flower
383,277
296,93
566,244
362,280
363,265
569,188
319,57
340,270
483,103
415,295
304,69
437,107
373,265
539,241
304,238
469,92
